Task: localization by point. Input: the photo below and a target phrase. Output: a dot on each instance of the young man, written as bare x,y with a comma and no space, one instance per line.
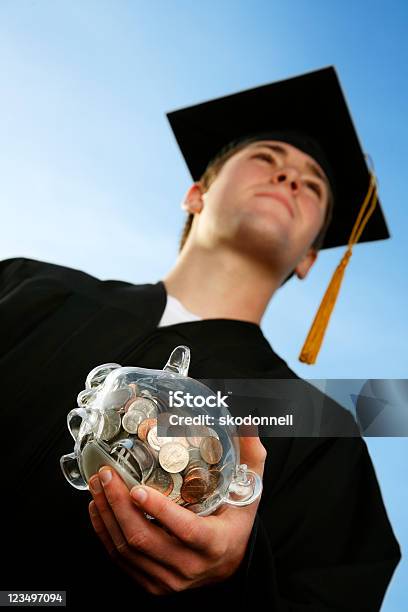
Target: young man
319,537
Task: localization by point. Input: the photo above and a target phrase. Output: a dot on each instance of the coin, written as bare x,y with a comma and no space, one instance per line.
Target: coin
159,401
133,388
198,432
194,454
156,441
175,495
211,450
145,405
213,433
109,426
131,421
161,481
195,464
144,428
195,485
173,457
149,395
215,479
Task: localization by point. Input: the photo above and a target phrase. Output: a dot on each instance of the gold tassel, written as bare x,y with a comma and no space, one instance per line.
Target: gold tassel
314,339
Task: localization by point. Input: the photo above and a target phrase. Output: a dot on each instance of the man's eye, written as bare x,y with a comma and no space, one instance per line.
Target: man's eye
316,188
266,157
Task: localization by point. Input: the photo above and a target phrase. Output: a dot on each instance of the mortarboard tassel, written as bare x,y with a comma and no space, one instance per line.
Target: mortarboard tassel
314,339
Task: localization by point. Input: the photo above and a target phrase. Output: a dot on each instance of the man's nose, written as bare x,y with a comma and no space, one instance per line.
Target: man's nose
288,176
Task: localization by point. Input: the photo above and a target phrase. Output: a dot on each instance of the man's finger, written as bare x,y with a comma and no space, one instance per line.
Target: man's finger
140,533
106,515
145,571
100,529
193,530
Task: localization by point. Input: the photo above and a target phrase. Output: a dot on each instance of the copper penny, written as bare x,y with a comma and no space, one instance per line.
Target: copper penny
195,485
197,434
144,428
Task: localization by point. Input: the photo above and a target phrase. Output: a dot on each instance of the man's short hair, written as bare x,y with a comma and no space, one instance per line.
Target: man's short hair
212,172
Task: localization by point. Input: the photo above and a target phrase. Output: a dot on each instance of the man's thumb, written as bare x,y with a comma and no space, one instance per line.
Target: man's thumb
253,453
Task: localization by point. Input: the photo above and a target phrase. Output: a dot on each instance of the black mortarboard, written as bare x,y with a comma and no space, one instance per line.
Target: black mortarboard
313,113
310,112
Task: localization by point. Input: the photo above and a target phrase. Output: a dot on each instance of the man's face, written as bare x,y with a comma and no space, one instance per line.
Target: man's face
269,200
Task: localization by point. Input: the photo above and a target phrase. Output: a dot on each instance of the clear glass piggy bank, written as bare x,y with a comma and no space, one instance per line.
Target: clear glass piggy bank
126,419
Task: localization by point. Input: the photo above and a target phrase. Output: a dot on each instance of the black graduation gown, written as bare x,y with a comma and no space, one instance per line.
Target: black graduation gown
321,539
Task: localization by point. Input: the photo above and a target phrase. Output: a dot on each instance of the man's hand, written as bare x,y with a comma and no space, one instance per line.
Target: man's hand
190,551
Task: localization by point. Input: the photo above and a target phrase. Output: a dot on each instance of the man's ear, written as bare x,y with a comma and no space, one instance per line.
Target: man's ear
306,263
193,200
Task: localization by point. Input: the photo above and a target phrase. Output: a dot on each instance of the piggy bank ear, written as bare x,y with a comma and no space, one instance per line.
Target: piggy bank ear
96,377
179,361
81,421
85,398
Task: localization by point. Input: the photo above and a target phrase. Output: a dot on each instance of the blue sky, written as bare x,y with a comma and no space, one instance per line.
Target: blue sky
92,178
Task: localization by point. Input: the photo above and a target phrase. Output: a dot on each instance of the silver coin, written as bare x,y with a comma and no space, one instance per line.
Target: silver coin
173,457
156,441
154,399
194,454
175,495
213,433
146,393
145,405
132,420
195,460
109,426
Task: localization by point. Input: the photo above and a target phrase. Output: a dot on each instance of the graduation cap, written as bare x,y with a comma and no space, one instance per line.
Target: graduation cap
310,112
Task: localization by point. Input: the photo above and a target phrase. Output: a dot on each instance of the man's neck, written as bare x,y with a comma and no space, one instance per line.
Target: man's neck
217,285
